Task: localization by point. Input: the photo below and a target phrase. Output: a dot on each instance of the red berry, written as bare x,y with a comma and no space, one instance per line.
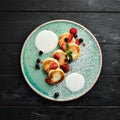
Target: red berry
84,44
81,40
63,47
73,31
57,57
53,66
65,68
48,81
77,41
70,37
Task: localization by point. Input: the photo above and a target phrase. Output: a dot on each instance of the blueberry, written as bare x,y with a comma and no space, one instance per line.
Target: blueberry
56,95
70,60
81,40
40,52
66,39
38,60
37,66
75,36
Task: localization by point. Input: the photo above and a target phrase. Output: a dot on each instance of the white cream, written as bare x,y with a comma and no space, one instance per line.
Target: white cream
46,41
74,82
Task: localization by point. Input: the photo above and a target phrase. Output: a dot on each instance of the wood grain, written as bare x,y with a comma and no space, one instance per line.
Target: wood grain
33,113
14,91
60,5
16,26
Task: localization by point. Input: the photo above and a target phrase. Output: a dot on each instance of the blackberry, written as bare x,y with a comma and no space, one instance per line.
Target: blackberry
37,66
56,95
75,36
40,52
38,60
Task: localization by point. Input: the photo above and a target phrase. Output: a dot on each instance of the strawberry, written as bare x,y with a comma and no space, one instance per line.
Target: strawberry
48,81
70,37
63,47
53,66
73,31
77,41
57,57
65,68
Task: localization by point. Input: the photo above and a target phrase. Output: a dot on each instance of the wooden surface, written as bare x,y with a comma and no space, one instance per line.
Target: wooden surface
18,18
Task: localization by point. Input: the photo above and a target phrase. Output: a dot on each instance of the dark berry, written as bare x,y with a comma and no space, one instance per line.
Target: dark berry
75,36
84,44
81,40
66,39
56,95
66,60
38,60
40,52
69,61
37,66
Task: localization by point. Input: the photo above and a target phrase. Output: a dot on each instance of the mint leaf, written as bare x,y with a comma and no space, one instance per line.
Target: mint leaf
70,56
67,47
69,53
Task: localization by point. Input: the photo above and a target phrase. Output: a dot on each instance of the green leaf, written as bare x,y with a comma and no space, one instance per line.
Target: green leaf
68,52
67,47
70,57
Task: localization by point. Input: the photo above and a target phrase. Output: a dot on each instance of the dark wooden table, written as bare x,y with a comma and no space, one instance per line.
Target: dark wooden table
18,18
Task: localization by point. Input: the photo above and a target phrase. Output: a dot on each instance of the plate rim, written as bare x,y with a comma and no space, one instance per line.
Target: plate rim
26,79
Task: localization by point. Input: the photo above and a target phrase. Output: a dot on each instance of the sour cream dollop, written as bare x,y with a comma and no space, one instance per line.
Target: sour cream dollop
46,41
74,82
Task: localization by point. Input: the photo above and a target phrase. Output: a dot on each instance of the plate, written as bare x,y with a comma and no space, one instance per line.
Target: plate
88,64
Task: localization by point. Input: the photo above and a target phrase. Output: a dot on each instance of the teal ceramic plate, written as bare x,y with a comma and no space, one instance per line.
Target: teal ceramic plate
88,64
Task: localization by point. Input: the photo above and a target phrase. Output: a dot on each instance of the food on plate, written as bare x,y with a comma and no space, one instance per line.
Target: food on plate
75,49
66,38
37,66
79,41
55,76
60,56
74,82
40,52
38,60
50,63
73,31
56,94
58,64
65,68
44,39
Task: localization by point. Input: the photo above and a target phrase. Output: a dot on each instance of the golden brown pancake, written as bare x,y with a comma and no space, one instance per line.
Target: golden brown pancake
62,39
49,62
75,49
61,55
56,75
